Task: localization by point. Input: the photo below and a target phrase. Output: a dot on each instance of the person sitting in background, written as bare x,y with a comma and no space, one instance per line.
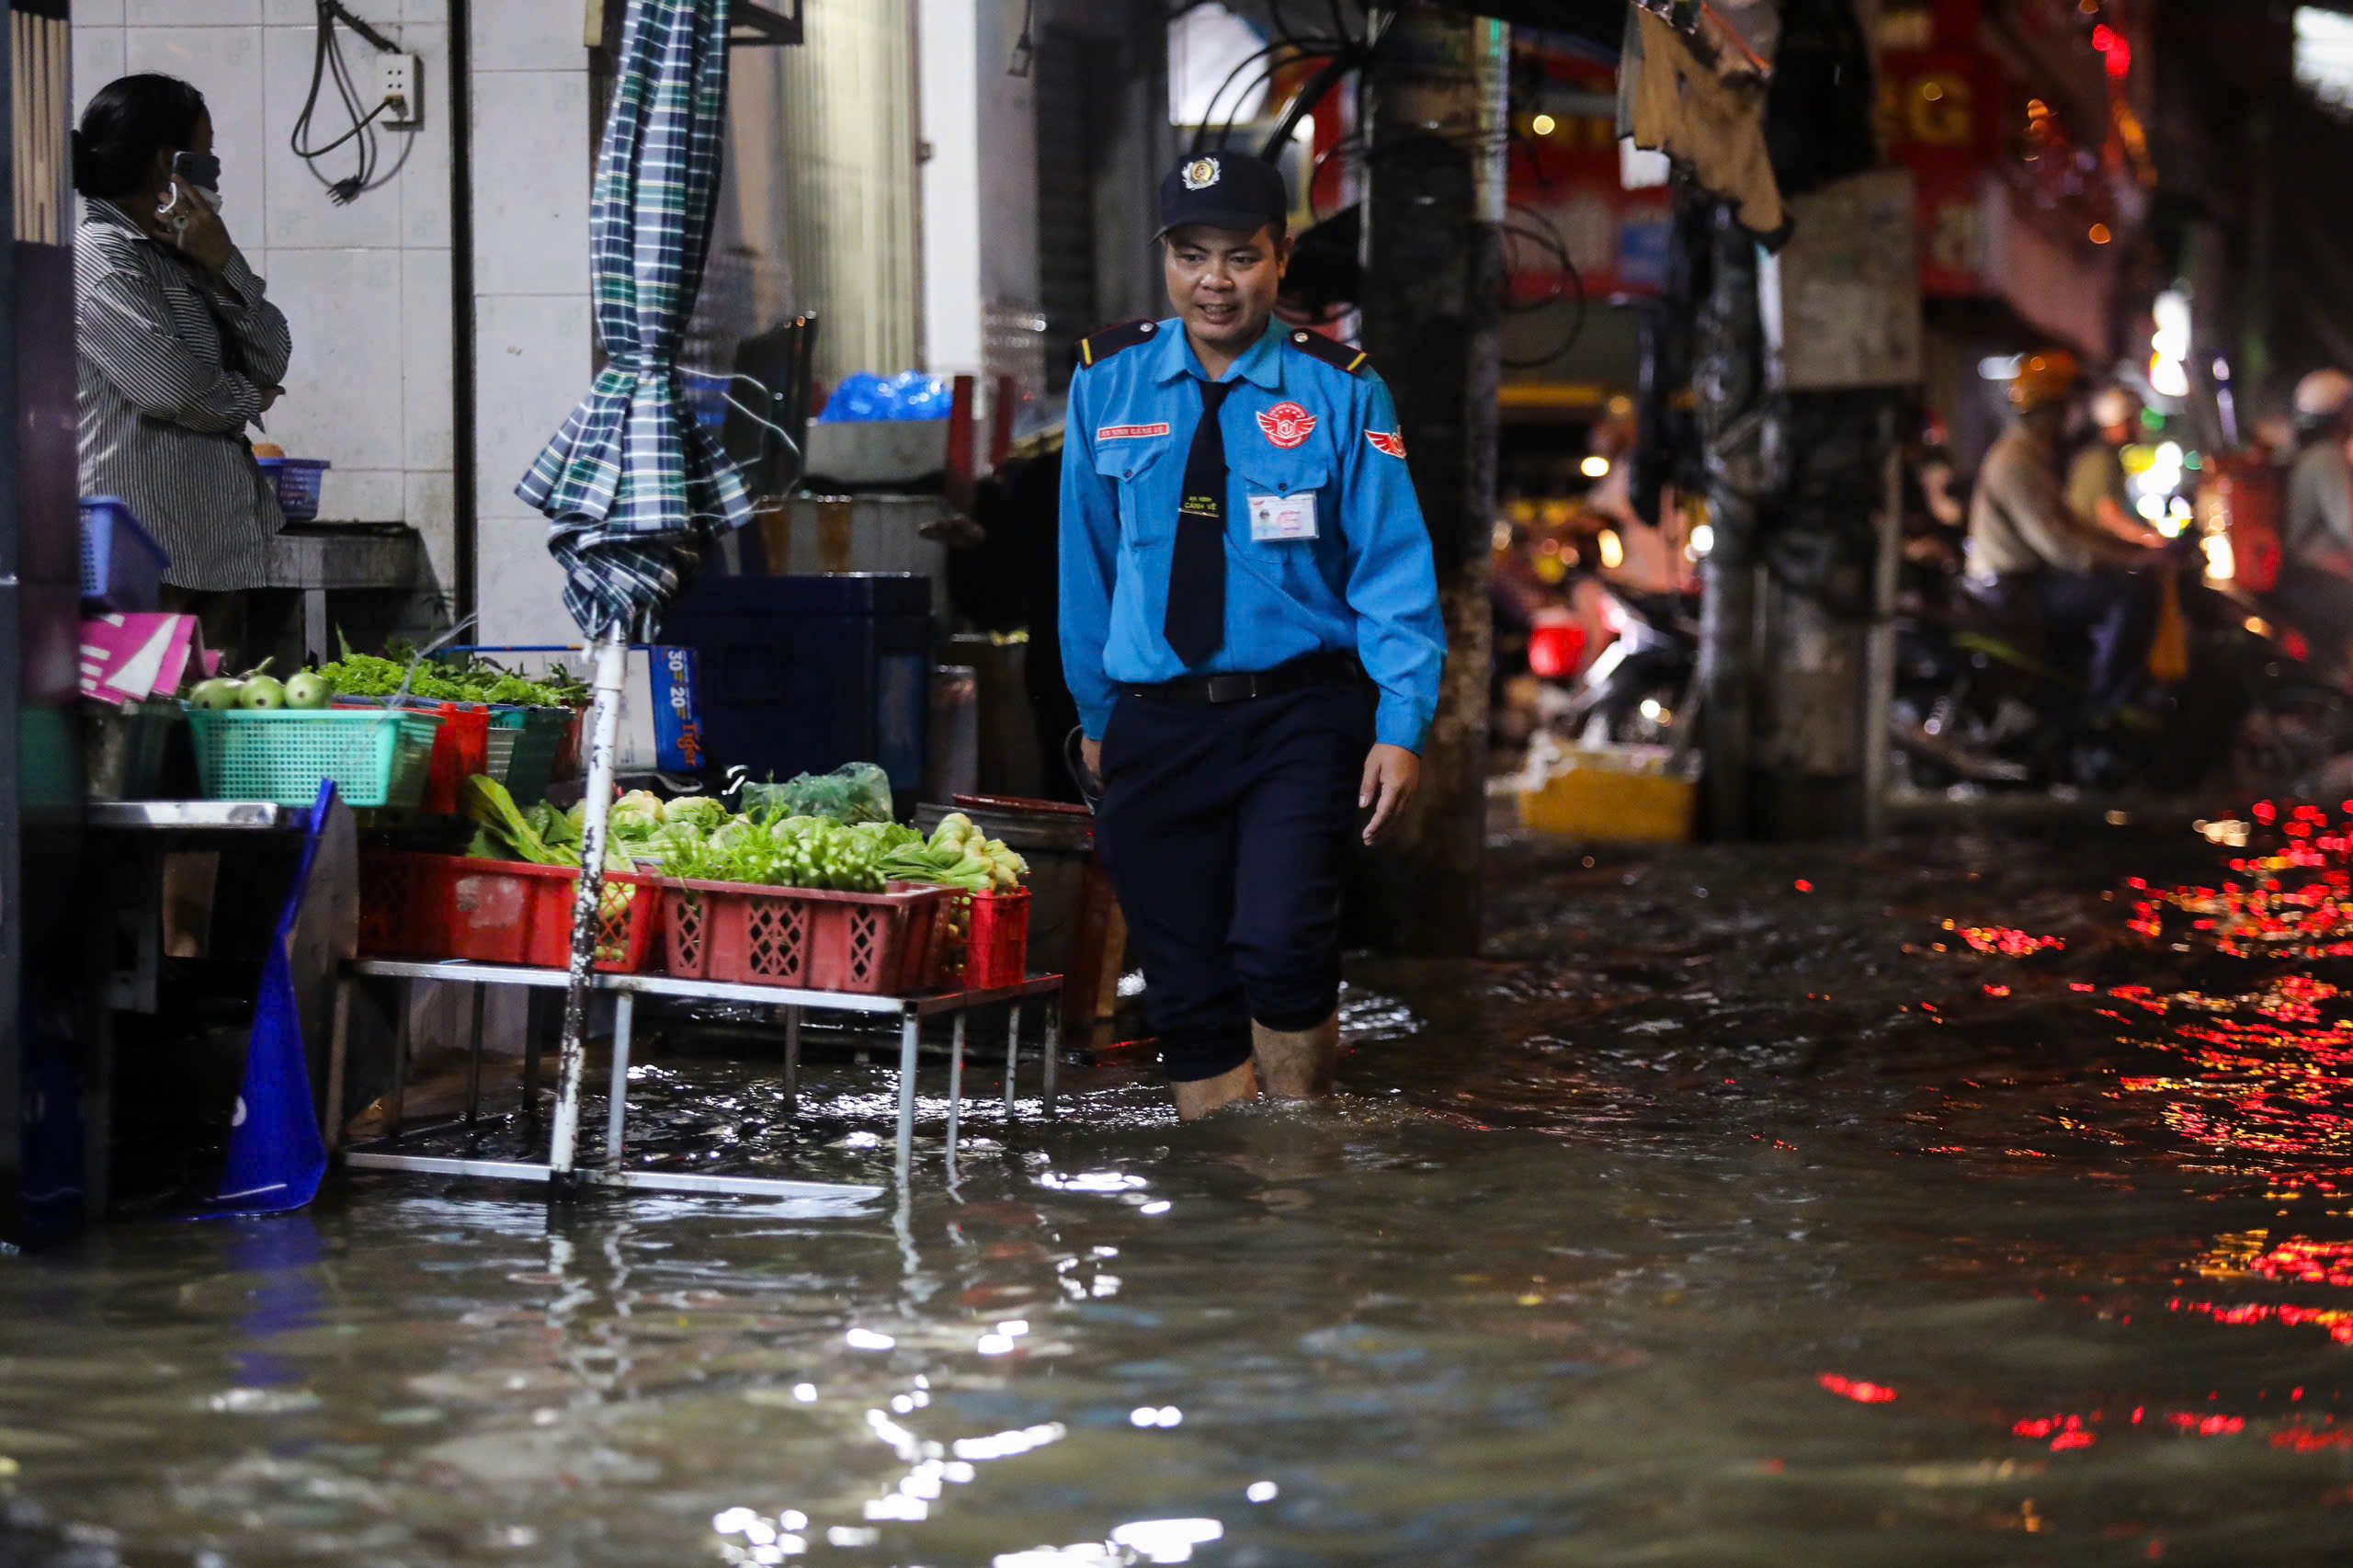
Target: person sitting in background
1935,520
2030,555
178,347
2316,519
2096,490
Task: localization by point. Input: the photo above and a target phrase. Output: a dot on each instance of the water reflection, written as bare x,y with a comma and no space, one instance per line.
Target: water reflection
1872,1209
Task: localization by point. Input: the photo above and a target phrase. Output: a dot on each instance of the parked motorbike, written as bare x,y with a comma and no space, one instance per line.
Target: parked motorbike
1634,689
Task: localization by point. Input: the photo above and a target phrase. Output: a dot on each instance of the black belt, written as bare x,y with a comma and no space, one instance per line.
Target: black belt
1316,669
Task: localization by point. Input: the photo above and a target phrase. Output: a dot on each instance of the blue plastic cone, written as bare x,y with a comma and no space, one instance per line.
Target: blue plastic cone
275,1154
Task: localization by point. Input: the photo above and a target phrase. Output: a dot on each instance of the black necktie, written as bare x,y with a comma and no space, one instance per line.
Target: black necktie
1195,624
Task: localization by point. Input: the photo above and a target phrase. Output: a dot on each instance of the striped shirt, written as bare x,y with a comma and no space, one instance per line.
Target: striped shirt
172,366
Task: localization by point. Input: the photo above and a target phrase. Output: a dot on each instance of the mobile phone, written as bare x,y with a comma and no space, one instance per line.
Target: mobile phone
199,169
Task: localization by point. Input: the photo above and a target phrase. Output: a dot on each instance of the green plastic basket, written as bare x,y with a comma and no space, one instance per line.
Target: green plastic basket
376,758
524,742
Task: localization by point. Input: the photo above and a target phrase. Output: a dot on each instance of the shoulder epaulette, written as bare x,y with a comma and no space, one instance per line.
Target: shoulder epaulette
1100,345
1339,356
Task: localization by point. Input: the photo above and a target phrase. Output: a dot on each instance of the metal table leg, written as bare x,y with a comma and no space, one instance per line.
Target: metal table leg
531,1013
1012,1058
314,622
564,1128
624,1018
910,1031
338,1054
1054,1046
400,1056
473,1057
792,1062
956,1089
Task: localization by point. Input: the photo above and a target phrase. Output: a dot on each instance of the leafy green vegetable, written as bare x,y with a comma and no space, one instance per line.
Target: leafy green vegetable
856,792
807,852
959,855
636,814
702,810
367,675
507,833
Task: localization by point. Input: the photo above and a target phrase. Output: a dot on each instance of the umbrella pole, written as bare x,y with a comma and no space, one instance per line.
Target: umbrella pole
612,656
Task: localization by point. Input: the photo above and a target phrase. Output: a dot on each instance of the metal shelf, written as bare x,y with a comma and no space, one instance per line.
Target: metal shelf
198,816
563,1168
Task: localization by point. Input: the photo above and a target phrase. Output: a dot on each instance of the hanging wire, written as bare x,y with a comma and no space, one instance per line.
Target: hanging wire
327,64
1546,235
791,445
1209,114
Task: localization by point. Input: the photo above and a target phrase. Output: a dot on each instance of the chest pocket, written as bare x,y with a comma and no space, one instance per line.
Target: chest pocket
1305,472
1147,505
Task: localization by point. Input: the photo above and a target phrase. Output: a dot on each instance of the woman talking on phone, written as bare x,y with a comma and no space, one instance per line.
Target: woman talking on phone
178,348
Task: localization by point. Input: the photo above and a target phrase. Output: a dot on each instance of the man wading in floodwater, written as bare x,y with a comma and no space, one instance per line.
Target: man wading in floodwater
1250,625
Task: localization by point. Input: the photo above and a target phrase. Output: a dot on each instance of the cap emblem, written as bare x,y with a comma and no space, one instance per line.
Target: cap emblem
1202,173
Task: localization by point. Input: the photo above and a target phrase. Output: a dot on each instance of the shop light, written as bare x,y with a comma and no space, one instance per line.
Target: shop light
1595,467
2169,344
2220,564
1613,550
1703,539
1543,125
2100,234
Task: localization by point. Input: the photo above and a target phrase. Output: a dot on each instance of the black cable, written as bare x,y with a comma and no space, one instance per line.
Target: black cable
1308,100
327,63
1552,241
1208,110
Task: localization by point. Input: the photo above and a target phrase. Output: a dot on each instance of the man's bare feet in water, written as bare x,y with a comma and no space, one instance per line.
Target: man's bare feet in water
1198,1097
1297,1065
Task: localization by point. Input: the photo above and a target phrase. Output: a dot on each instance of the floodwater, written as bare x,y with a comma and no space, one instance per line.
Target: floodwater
1737,1210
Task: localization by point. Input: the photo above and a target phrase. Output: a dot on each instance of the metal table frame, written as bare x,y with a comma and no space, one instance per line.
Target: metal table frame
563,1169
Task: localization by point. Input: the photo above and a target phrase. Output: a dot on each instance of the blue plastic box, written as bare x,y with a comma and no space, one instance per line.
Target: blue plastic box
122,569
297,480
800,674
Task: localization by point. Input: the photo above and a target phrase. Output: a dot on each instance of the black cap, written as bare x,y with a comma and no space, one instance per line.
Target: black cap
1223,190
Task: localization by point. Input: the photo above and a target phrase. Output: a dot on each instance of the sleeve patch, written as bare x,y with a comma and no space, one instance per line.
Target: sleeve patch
1390,442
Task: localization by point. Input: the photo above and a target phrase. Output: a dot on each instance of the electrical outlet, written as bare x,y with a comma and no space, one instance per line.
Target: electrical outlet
402,75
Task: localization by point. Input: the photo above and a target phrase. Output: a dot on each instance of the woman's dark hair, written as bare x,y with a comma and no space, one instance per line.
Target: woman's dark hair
128,121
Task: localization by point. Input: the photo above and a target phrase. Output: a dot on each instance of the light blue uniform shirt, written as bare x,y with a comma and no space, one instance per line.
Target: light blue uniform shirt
1302,428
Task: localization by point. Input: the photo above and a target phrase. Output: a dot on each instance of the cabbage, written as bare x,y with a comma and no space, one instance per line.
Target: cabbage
700,811
636,814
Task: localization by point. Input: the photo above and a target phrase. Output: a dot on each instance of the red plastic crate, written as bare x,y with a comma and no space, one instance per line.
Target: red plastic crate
461,748
504,911
992,949
873,944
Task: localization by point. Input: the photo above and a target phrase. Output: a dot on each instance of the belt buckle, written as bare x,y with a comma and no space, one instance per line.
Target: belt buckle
1231,688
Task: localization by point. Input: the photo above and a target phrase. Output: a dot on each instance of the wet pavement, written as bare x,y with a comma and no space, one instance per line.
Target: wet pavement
1959,1203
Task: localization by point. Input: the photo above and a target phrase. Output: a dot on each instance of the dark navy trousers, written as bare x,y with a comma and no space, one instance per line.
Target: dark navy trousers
1226,829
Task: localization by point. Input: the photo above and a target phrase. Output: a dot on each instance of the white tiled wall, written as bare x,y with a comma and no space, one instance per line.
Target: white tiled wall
367,286
533,332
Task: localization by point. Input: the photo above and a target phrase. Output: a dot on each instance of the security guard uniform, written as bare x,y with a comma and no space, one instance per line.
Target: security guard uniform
1230,783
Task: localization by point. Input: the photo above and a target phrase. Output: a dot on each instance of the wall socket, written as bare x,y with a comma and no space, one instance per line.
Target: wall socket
403,76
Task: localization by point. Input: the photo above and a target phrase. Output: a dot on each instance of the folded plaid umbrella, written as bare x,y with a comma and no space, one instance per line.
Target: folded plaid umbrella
636,487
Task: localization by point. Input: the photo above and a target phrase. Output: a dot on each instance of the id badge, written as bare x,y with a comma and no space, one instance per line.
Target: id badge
1275,518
